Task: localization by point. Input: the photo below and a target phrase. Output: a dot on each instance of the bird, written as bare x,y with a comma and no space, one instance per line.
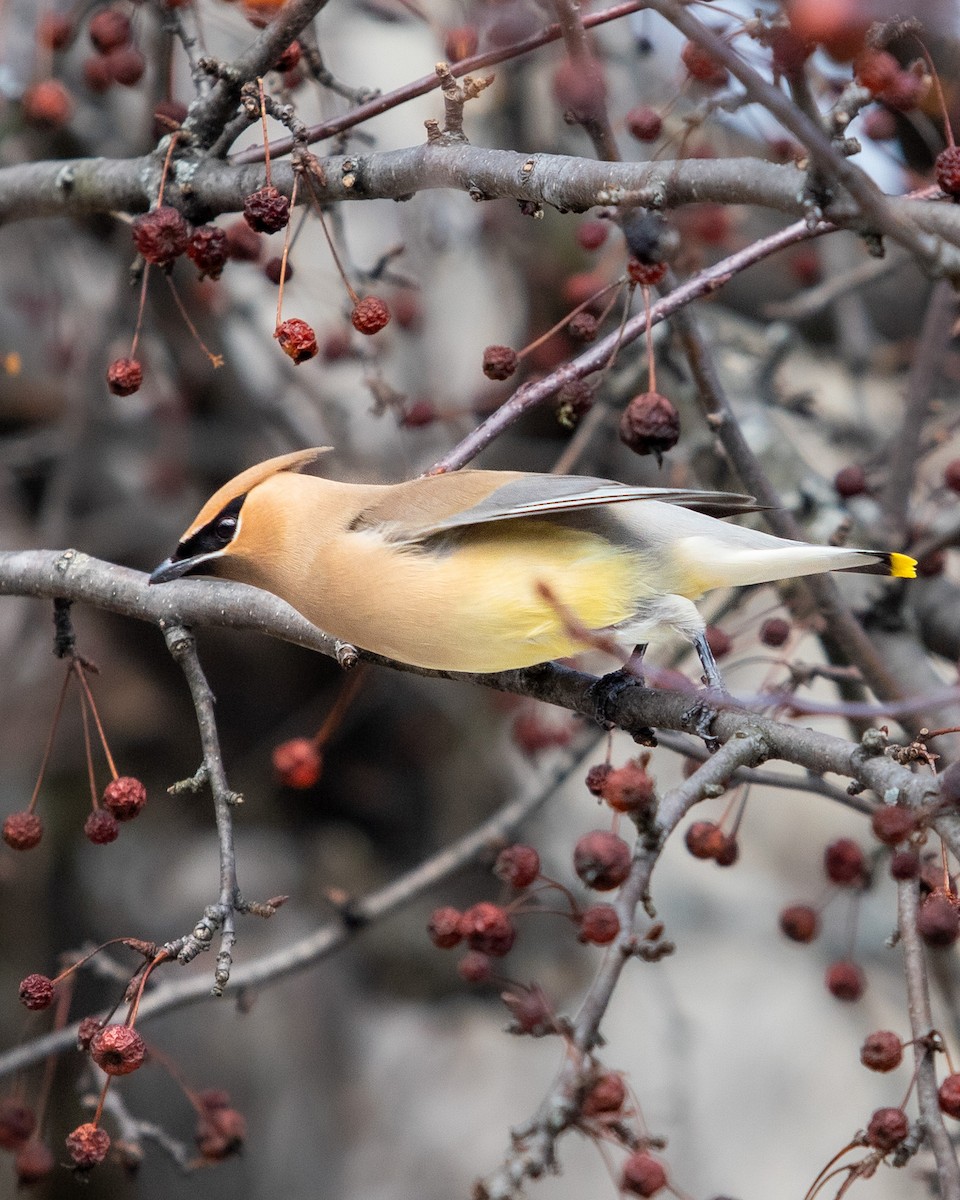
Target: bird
481,571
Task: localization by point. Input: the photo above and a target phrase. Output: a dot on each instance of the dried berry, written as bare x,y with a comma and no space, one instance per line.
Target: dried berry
774,631
36,992
33,1161
124,376
460,43
297,339
298,763
221,1131
370,315
266,210
602,860
487,927
905,864
629,788
888,1127
937,921
475,967
583,327
702,66
876,70
108,29
87,1145
532,733
946,169
47,104
208,250
444,927
850,481
647,274
881,1051
892,823
22,830
644,123
949,1096
597,777
517,865
17,1122
580,87
127,65
87,1030
599,924
161,235
844,863
800,922
592,234
499,362
124,797
101,827
908,90
643,1175
605,1095
574,399
289,57
845,981
650,425
54,31
243,245
273,267
118,1049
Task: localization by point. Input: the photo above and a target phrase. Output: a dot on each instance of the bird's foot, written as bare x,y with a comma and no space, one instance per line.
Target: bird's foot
699,718
606,692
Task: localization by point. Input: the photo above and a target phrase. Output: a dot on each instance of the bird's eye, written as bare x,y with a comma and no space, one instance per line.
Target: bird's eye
225,528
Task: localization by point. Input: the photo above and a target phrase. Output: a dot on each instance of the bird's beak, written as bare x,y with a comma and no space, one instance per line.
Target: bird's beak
176,568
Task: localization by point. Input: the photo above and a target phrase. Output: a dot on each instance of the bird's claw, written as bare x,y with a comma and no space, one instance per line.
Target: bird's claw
698,718
605,693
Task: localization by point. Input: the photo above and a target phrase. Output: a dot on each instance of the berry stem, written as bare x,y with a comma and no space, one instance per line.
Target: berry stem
286,247
135,1005
49,746
140,309
564,321
85,717
335,717
216,360
938,87
166,166
651,357
333,250
64,997
78,670
266,140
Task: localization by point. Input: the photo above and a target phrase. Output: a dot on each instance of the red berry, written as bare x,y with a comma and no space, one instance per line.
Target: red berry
407,309
629,788
499,362
879,124
475,967
602,860
850,481
101,827
774,631
907,92
370,315
580,87
844,863
650,425
789,52
221,1131
644,123
109,29
532,733
124,797
905,864
266,210
583,327
937,921
289,57
951,475
800,922
87,1030
127,65
47,104
337,345
97,74
444,927
709,224
647,274
599,924
949,1096
87,1145
36,992
517,865
643,1175
488,928
298,763
243,245
124,376
727,852
845,981
881,1051
719,641
54,31
887,1129
17,1123
892,824
592,234
273,267
161,235
208,250
947,170
460,43
419,413
702,67
597,777
704,839
118,1049
297,339
606,1094
33,1161
22,830
876,70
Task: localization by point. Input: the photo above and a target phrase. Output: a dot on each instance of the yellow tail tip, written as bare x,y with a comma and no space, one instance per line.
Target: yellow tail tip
902,566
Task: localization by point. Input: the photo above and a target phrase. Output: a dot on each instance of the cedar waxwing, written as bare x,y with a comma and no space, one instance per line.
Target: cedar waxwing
484,571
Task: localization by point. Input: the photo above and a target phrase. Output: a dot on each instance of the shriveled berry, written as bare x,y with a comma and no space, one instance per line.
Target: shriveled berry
583,327
599,924
844,863
531,1011
574,399
161,235
87,1145
719,641
580,87
266,210
629,788
892,823
946,170
487,927
602,860
517,865
221,1131
949,1096
845,981
47,104
460,43
905,864
650,425
208,250
702,66
54,31
124,797
499,362
118,1049
850,481
125,376
108,29
647,274
643,1175
908,91
606,1094
243,245
370,315
876,70
644,123
297,339
33,1161
475,967
101,827
17,1122
597,777
289,57
774,631
444,927
800,922
592,234
87,1030
36,992
938,922
703,838
887,1129
22,830
297,763
127,65
881,1051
